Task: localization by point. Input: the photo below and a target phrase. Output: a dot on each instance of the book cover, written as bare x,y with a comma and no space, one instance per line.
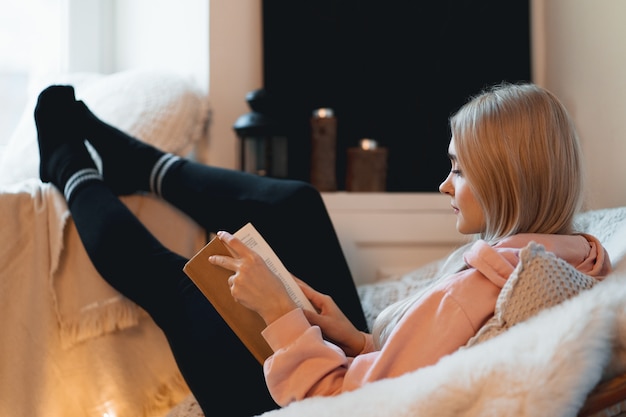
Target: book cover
212,280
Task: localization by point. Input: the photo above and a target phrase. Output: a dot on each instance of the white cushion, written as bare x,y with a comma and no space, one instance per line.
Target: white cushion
541,280
161,108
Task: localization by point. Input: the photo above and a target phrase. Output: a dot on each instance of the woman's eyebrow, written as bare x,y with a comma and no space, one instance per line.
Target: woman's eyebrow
452,156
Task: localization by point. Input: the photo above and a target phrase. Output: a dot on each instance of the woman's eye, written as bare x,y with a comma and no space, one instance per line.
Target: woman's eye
456,172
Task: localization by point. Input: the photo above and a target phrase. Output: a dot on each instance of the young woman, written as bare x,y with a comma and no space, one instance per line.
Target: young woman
516,177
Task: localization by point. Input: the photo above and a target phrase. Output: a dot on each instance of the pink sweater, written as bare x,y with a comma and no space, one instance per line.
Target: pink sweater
305,365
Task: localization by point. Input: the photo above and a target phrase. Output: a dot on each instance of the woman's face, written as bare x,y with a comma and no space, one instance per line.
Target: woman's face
470,218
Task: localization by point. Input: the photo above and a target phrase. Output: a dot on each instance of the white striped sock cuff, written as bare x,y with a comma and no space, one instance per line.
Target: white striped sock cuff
78,178
159,171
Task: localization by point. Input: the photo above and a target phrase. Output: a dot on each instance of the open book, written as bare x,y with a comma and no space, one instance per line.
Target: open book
212,280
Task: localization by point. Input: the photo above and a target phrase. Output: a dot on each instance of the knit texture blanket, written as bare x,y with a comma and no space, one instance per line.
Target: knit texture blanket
71,345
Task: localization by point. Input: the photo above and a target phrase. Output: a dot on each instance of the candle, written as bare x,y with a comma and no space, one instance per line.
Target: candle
367,167
323,149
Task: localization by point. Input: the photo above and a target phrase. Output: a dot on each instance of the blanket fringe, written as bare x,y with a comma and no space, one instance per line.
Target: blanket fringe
166,397
98,319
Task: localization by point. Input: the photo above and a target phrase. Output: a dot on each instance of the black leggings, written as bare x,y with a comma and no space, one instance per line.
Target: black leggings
292,217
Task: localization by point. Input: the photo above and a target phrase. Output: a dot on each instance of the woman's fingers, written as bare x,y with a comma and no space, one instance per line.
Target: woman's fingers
233,244
227,262
236,248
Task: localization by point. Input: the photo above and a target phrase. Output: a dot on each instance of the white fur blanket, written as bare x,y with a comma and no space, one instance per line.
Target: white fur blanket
63,351
545,366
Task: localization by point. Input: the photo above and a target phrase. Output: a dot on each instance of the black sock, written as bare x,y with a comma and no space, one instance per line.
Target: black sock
64,159
55,128
160,169
127,163
78,181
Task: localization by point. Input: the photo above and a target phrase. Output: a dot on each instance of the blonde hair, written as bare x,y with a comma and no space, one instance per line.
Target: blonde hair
519,151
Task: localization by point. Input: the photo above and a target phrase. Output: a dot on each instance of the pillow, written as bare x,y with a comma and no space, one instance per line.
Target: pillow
377,296
541,280
164,109
609,226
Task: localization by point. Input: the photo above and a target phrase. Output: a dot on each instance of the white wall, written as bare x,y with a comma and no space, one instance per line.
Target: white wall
217,42
89,38
114,35
163,35
236,69
580,55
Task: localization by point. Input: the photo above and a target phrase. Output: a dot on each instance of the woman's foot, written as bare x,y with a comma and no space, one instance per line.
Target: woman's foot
55,129
128,165
64,159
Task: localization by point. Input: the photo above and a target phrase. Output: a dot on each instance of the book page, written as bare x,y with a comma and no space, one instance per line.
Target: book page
253,239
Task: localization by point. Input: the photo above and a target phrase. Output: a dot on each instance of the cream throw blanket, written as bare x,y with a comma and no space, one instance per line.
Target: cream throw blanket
71,345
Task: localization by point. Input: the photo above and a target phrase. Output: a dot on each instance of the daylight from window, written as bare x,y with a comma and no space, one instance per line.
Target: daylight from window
31,36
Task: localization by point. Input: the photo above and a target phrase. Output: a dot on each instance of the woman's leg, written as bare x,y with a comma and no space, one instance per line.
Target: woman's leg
213,361
290,214
211,358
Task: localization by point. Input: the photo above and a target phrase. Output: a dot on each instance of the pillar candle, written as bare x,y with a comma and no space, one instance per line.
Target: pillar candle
323,150
366,170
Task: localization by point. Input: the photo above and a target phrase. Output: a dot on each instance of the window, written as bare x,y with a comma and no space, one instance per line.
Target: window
31,44
40,38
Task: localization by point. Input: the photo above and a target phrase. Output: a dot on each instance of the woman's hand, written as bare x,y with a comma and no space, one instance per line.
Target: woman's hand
253,284
334,324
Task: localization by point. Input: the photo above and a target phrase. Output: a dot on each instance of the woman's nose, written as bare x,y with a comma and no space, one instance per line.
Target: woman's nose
446,186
